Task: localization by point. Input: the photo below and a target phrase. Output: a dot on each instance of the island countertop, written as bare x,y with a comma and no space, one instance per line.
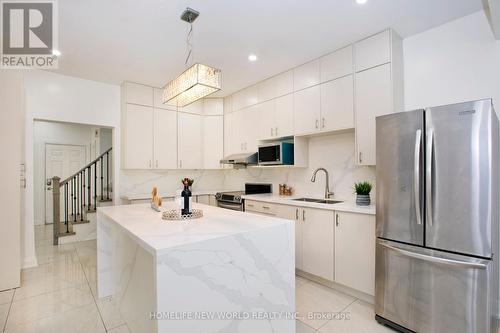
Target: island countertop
157,235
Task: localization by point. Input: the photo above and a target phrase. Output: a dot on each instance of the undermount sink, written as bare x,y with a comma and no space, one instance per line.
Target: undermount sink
323,201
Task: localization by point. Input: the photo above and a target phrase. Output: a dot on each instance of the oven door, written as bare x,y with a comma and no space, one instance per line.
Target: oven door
270,154
230,205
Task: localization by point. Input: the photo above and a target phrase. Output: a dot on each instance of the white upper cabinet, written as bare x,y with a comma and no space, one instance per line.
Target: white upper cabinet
137,122
213,107
158,101
279,85
276,118
140,94
190,136
284,116
194,108
373,51
246,97
337,106
228,104
373,99
307,110
165,139
213,141
306,75
336,64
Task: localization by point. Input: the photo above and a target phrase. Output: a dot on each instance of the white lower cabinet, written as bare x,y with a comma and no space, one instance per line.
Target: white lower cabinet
318,242
190,141
355,251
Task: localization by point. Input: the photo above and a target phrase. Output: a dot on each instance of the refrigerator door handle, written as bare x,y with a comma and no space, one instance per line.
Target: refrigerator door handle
428,176
437,260
416,176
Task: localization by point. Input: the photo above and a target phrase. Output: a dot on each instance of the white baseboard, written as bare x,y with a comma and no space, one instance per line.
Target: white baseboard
29,262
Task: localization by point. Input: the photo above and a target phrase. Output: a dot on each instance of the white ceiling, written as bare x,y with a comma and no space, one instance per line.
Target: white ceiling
144,40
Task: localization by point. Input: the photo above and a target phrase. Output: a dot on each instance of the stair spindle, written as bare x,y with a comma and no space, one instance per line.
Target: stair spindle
102,177
65,203
95,186
75,209
83,182
81,194
107,175
89,171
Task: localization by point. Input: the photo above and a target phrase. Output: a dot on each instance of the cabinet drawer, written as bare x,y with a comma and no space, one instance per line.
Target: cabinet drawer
260,207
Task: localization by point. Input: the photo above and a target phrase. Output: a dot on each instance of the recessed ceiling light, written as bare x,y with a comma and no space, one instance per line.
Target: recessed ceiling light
361,2
252,57
57,53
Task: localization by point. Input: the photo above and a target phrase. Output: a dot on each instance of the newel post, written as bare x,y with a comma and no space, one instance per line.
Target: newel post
56,209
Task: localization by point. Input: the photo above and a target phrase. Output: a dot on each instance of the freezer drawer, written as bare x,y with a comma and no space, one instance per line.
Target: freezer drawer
429,291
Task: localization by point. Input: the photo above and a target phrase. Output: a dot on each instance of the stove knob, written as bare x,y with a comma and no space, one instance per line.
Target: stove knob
218,196
237,198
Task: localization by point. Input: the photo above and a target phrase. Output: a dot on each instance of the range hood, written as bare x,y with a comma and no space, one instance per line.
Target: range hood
240,160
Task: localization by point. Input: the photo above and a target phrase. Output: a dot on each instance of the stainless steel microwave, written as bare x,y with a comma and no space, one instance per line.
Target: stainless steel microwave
276,153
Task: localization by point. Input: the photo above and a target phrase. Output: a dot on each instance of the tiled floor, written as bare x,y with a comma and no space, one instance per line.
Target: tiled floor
60,295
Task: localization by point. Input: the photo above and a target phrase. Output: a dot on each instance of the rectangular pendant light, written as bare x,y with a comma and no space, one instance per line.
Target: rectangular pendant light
194,83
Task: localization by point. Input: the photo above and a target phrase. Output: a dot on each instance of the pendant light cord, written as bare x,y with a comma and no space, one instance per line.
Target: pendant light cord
189,45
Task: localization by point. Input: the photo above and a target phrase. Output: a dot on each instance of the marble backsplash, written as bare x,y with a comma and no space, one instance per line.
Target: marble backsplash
335,152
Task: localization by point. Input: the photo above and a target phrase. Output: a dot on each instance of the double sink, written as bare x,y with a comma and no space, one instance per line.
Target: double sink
322,201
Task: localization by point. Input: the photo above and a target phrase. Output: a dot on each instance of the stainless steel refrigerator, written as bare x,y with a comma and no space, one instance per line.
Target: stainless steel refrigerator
438,219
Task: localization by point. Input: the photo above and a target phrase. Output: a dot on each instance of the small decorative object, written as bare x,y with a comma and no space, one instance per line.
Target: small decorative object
176,214
186,202
155,200
288,190
362,190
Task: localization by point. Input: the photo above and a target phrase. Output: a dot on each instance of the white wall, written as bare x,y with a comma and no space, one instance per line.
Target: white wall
11,146
54,97
456,62
53,133
333,152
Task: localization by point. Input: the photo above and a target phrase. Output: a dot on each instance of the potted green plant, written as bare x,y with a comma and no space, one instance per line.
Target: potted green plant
362,190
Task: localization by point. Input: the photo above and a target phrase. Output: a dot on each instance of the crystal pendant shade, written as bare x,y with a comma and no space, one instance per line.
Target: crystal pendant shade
194,83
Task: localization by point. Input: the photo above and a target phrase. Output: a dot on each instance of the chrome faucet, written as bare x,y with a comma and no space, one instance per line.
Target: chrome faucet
328,194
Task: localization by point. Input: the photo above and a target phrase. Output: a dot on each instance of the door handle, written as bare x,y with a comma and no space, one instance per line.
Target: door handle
428,176
416,176
437,260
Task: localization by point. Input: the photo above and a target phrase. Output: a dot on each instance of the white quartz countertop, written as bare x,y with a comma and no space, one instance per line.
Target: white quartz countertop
143,196
345,206
157,235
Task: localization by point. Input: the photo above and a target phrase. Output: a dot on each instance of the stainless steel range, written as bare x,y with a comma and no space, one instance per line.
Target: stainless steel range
233,199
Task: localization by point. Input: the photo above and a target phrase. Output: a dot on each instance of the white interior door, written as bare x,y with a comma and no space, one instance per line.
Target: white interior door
61,161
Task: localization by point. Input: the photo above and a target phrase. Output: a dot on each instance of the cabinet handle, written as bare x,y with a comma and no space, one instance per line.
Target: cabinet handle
296,213
304,215
276,131
360,158
317,123
249,205
265,207
157,163
150,163
272,131
322,122
337,220
180,163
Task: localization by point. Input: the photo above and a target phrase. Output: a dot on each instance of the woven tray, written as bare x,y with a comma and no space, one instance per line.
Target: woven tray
175,215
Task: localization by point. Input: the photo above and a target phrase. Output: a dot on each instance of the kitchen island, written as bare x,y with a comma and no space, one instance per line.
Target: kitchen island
228,271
